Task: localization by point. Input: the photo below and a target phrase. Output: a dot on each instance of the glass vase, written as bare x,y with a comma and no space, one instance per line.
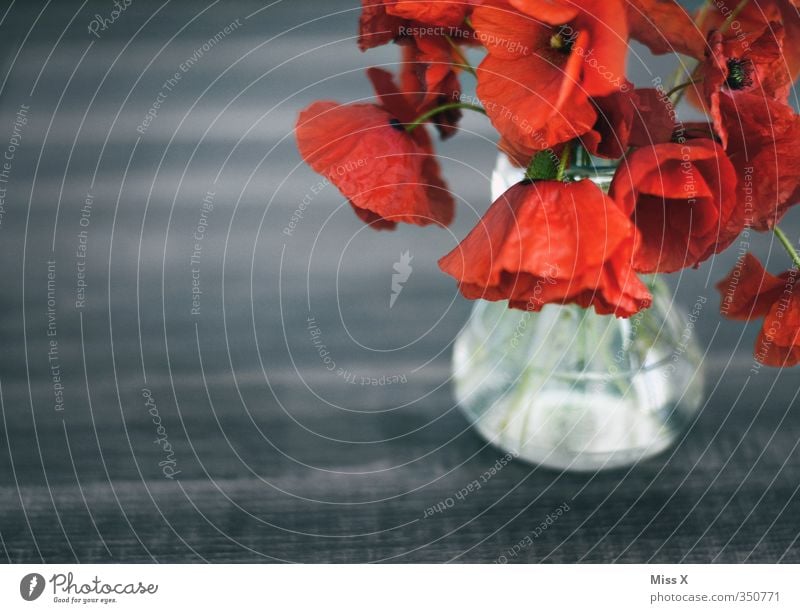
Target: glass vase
572,390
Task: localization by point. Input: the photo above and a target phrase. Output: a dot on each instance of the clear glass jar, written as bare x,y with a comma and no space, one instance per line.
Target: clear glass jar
573,390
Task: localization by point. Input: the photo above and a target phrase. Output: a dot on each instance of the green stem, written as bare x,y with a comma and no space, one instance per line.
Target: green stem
464,62
681,90
787,244
440,109
682,86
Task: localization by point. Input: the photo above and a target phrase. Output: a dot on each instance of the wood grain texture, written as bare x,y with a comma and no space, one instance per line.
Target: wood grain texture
281,459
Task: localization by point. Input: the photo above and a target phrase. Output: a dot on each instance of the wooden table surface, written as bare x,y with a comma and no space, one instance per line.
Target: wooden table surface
265,452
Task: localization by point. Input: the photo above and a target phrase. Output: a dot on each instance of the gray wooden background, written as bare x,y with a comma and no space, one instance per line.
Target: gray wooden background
264,453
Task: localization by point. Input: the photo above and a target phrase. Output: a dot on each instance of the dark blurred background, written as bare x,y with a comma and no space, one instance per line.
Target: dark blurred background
162,395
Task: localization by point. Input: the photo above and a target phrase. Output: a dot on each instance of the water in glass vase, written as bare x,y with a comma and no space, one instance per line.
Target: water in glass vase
573,390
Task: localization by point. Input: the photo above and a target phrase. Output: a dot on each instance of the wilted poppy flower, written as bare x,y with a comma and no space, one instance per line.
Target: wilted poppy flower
665,26
778,343
545,58
629,118
387,174
551,242
439,13
383,21
431,36
763,141
682,199
742,72
376,26
429,79
748,292
747,86
757,17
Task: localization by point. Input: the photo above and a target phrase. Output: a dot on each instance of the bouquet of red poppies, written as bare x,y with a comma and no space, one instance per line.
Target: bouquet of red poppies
552,81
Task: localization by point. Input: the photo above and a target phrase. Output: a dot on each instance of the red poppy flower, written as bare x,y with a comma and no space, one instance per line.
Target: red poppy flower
551,242
739,70
431,36
762,144
664,26
383,21
376,26
387,174
682,199
429,79
778,343
439,13
629,118
747,84
756,18
545,58
748,292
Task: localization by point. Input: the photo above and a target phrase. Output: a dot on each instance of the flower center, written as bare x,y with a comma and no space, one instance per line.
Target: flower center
395,123
563,39
738,74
